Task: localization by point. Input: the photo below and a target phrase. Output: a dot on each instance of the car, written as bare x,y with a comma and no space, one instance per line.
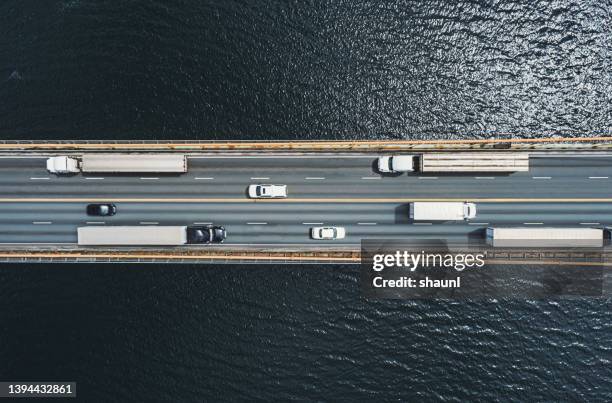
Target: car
206,234
396,163
267,191
102,209
327,232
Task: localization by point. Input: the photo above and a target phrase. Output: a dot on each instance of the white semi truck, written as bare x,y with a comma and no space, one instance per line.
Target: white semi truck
117,163
546,237
455,162
442,211
148,235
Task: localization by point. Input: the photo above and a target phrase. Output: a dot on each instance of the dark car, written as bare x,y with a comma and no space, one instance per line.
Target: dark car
101,209
206,234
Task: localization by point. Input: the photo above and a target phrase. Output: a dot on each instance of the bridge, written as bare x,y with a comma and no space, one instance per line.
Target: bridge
569,184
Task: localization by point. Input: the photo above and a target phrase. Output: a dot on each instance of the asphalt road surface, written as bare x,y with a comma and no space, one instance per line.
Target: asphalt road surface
41,208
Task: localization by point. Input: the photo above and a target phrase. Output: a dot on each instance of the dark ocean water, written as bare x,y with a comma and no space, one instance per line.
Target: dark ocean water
292,70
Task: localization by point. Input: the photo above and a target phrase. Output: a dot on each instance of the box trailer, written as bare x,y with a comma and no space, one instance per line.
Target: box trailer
546,237
137,235
118,163
474,162
442,211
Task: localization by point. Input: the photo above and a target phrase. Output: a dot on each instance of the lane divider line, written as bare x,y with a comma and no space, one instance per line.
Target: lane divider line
598,177
312,223
203,178
533,223
302,200
42,222
257,223
148,179
39,179
314,178
149,223
91,178
541,177
260,179
366,223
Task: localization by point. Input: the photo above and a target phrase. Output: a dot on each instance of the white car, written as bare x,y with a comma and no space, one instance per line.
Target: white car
327,233
267,191
396,163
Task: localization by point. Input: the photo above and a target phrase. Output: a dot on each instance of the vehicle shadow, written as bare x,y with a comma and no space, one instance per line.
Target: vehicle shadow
402,215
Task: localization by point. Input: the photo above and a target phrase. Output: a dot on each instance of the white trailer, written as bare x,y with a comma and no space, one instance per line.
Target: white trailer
442,211
545,237
118,163
474,162
134,235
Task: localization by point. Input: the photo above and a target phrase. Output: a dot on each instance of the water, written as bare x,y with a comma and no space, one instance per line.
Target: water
297,70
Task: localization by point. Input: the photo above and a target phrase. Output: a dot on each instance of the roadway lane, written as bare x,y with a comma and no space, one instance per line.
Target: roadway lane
288,223
309,177
329,179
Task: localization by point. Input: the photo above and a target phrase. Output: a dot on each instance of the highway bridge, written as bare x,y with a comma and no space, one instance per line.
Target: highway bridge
39,209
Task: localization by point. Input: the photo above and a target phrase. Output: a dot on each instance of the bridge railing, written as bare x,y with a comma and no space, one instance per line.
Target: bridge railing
501,144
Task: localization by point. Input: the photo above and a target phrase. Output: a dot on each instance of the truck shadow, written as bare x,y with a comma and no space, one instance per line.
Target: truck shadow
402,214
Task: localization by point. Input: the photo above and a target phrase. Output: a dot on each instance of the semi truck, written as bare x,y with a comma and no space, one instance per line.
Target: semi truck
455,162
546,237
117,163
442,211
149,235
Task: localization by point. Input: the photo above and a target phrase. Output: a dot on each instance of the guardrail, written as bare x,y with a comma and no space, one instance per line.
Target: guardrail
543,257
552,143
